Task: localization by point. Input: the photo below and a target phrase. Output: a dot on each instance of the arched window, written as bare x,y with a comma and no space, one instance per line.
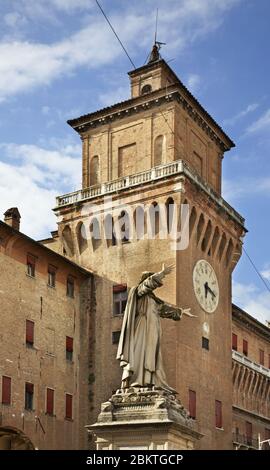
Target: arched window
229,252
95,233
215,240
94,170
124,227
207,235
110,231
154,217
68,241
139,222
146,89
222,246
159,150
200,227
170,213
192,220
81,237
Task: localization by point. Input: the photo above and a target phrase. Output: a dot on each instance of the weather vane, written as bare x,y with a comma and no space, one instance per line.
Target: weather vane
155,54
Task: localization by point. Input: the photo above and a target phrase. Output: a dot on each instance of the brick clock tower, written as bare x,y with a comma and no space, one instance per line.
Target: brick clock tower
158,149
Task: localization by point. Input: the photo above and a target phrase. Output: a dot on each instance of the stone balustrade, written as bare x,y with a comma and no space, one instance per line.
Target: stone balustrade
175,168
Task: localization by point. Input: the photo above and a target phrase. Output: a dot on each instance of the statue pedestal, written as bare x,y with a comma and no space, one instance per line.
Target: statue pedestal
144,419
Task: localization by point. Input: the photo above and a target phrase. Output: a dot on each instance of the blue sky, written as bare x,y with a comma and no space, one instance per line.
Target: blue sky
59,59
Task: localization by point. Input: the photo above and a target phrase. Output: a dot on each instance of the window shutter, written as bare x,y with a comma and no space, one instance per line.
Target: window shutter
261,357
218,414
50,401
119,288
29,388
234,342
249,432
245,347
192,404
6,390
30,331
68,406
69,344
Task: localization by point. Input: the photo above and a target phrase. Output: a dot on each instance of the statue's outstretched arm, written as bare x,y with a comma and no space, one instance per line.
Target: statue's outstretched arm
165,270
155,280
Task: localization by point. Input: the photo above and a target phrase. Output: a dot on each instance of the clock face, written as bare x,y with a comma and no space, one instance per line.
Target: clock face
205,286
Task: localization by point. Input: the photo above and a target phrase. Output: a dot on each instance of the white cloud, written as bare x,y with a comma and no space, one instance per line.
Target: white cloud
94,45
193,82
266,274
42,63
45,110
262,124
251,299
245,187
249,109
70,5
22,11
14,19
31,178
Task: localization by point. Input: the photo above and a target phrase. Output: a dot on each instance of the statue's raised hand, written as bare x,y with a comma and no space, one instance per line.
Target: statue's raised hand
186,311
167,270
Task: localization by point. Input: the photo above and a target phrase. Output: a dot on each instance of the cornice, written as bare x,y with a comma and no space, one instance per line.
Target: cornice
245,320
155,99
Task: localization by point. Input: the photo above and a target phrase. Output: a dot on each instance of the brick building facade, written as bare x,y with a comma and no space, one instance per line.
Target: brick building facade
45,315
251,377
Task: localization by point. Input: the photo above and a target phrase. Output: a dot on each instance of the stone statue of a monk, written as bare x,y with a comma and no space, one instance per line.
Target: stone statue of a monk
139,349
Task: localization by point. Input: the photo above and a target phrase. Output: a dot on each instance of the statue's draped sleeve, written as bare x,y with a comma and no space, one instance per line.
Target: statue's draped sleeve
165,310
149,284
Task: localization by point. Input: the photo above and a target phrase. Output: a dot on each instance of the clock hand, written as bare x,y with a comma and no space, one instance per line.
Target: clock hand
212,292
206,288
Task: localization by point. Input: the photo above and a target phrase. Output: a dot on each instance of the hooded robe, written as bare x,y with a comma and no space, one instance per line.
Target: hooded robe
139,349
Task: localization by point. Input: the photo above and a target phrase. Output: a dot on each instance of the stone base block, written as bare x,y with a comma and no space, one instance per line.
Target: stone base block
144,419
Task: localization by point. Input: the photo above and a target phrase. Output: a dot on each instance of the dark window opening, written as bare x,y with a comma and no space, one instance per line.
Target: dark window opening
124,227
70,286
30,325
51,276
50,401
69,348
249,432
146,89
116,337
205,343
218,414
192,403
261,357
29,396
234,342
245,347
68,406
120,295
6,390
31,265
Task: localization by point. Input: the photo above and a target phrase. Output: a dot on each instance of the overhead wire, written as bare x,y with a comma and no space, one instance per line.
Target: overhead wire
256,269
115,33
126,52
